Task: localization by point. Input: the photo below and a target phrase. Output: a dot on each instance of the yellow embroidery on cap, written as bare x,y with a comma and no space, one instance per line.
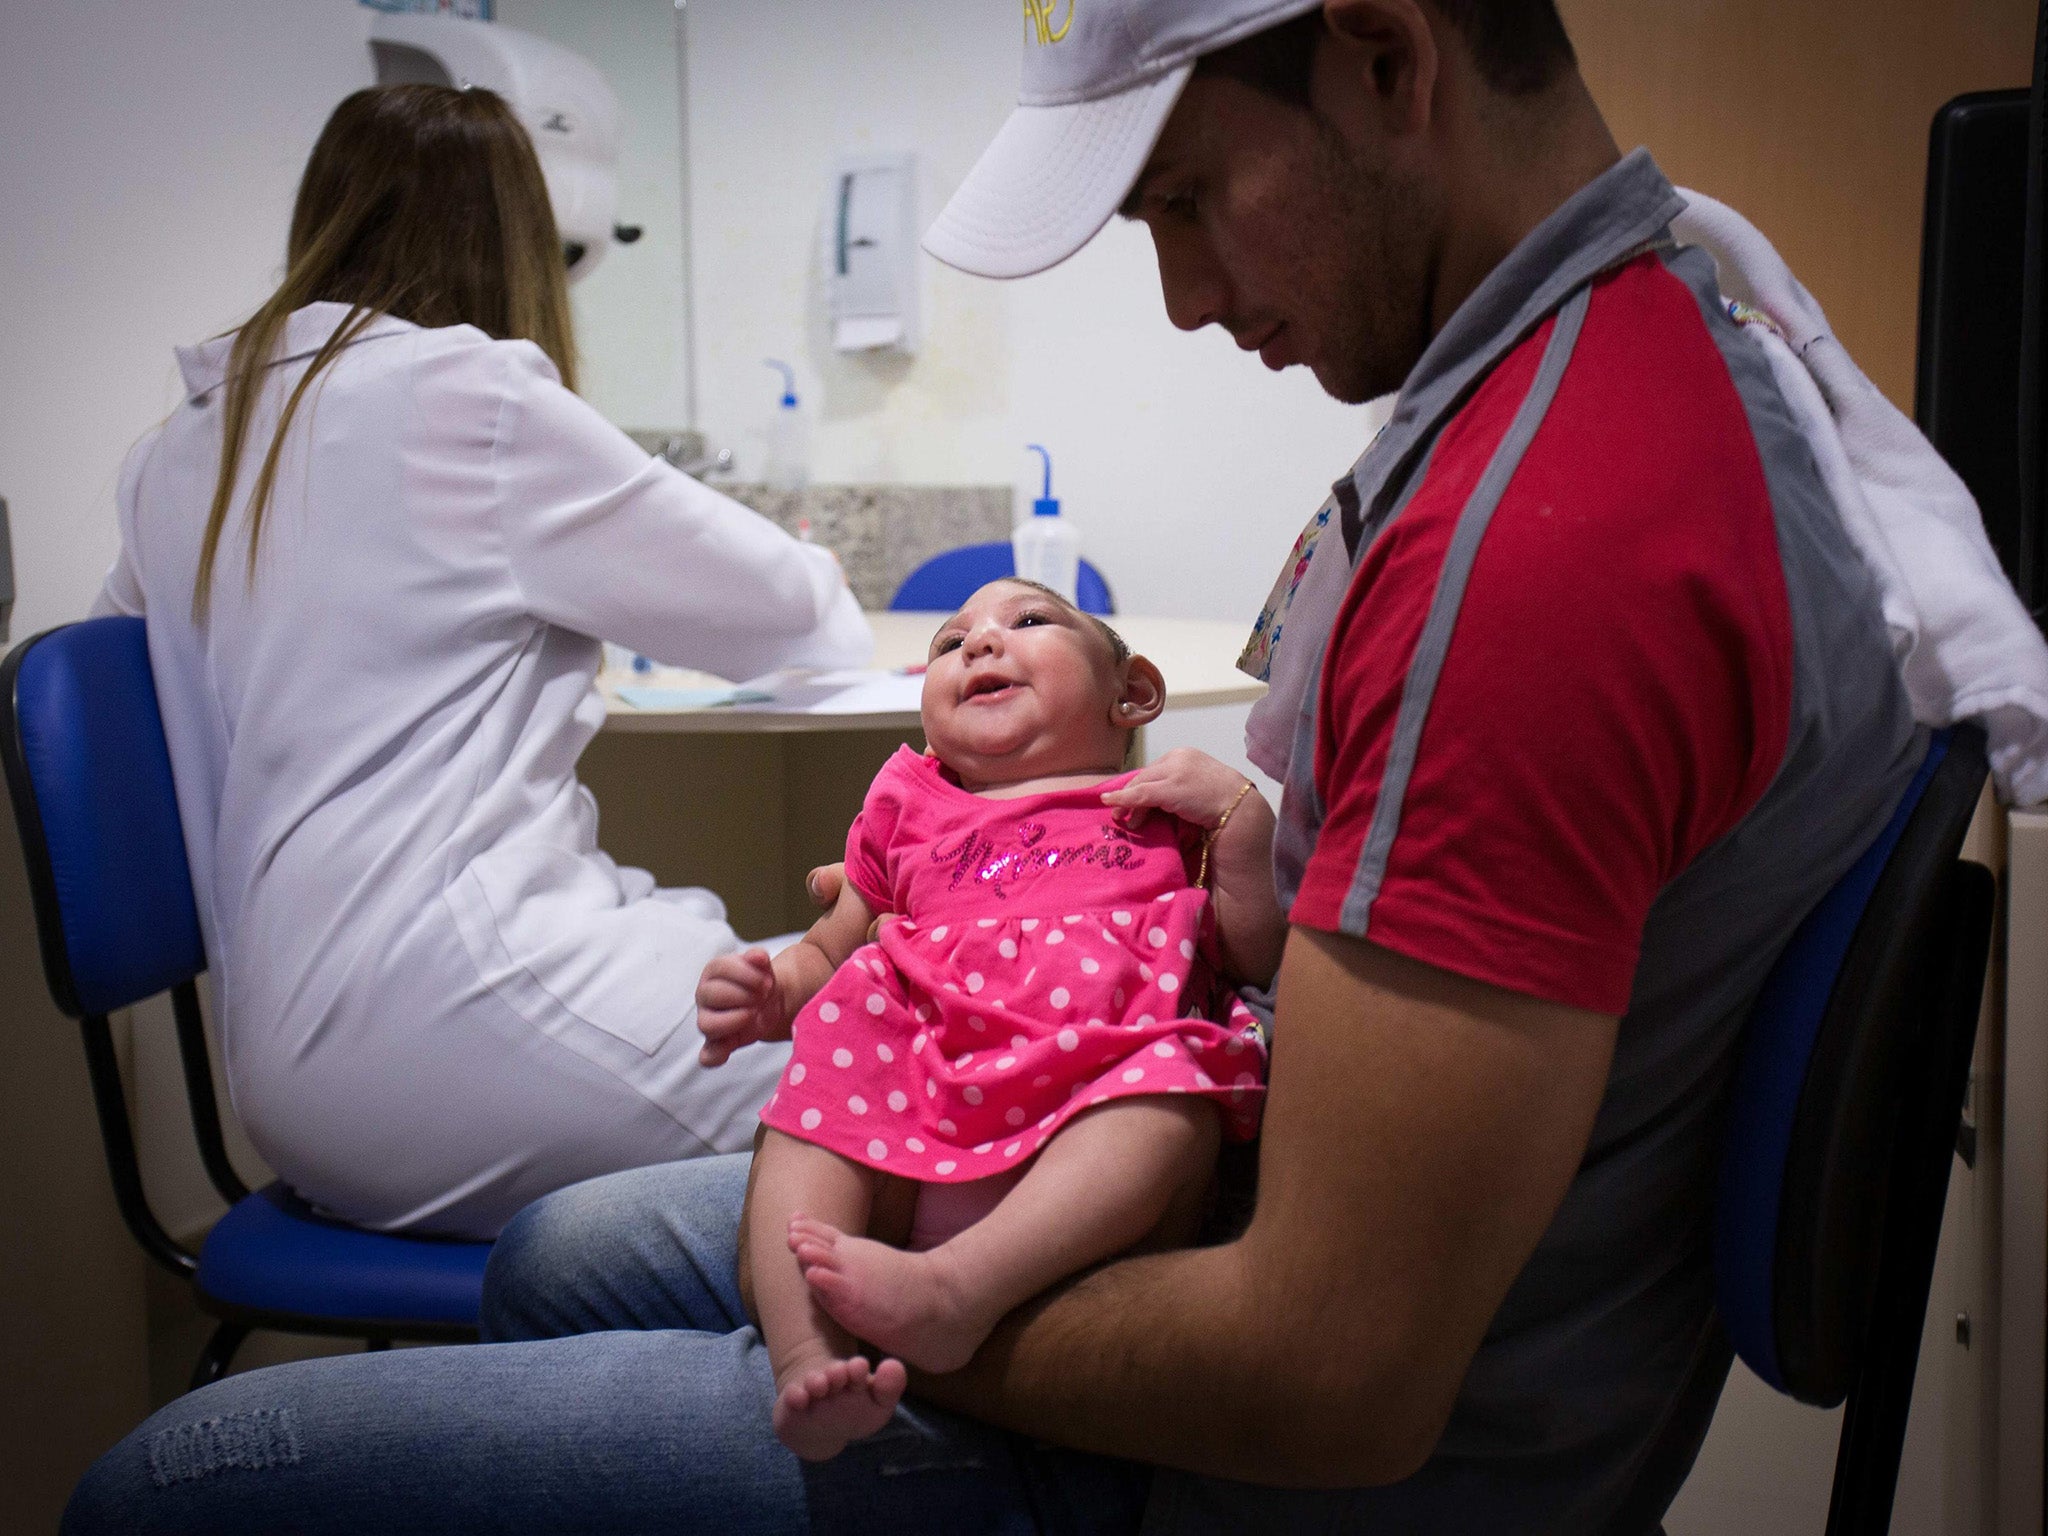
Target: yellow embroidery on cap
1038,16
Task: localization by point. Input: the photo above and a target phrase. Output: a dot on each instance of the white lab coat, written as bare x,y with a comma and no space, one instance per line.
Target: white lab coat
437,998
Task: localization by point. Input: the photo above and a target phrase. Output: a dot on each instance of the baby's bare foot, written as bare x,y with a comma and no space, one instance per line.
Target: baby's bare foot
911,1305
824,1407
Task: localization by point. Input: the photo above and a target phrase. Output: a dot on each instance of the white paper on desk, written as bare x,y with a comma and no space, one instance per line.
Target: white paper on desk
851,692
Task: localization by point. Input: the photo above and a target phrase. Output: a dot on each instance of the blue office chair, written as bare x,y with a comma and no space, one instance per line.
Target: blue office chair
1844,1114
946,581
90,777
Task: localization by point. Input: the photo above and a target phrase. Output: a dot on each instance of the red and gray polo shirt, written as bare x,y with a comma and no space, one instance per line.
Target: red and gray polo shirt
1608,705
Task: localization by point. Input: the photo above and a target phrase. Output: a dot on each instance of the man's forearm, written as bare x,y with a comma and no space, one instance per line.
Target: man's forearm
1109,1363
1250,925
1174,1359
1420,1130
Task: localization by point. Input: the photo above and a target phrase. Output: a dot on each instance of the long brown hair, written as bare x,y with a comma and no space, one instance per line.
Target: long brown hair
422,202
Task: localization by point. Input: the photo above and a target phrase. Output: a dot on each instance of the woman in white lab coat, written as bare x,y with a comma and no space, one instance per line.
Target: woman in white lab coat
378,545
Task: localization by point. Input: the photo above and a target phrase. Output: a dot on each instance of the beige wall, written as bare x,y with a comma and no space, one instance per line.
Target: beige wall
73,1363
1812,119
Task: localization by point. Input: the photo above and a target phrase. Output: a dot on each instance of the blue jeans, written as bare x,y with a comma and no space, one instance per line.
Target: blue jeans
624,1391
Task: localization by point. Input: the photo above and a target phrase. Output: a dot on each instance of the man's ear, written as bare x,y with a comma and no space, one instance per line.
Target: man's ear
1393,49
1143,695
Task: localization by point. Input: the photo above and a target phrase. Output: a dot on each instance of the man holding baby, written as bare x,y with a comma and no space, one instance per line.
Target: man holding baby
1582,701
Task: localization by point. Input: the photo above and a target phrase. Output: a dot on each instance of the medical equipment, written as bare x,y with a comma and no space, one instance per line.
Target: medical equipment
563,100
1975,343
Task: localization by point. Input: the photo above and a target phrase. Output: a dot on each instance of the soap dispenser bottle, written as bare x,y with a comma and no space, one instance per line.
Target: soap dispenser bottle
788,466
1045,546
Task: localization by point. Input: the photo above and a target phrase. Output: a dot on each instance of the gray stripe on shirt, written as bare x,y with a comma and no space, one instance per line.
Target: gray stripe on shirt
1435,641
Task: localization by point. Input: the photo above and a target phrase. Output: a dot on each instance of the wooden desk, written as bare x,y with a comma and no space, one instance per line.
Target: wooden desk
748,802
1197,656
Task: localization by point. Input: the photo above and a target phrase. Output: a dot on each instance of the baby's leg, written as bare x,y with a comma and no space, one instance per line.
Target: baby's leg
825,1393
1102,1185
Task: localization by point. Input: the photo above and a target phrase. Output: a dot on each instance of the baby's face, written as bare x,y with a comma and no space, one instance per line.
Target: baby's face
1019,685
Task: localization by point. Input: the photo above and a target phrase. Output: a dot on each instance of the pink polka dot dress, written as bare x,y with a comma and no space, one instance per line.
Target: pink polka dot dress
1049,960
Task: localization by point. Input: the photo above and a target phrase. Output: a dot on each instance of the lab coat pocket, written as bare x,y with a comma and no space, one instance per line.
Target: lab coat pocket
558,937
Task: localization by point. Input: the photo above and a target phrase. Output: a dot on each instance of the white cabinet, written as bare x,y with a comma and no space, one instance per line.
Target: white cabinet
2020,1105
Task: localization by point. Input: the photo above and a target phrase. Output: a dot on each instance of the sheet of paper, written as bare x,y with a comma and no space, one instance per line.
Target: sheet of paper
647,697
871,693
852,692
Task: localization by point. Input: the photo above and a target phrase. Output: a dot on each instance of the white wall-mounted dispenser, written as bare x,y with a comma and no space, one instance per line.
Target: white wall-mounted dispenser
871,253
563,100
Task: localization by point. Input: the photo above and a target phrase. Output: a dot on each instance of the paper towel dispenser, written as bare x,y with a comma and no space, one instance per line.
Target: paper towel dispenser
871,253
562,99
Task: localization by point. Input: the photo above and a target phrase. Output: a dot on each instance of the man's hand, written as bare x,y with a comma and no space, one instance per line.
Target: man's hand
823,885
739,1001
827,882
1192,785
1239,863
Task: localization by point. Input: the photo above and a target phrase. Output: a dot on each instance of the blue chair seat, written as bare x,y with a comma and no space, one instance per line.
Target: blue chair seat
271,1254
946,581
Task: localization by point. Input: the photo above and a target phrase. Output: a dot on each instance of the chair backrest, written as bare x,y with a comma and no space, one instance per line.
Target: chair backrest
946,581
1827,1078
89,774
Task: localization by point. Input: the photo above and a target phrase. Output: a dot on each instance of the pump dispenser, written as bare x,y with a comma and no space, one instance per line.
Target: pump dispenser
1045,546
788,465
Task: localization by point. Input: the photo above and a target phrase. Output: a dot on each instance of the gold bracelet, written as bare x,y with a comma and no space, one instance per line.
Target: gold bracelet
1202,878
1224,820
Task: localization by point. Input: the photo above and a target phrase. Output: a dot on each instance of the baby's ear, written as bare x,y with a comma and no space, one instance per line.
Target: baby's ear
1142,697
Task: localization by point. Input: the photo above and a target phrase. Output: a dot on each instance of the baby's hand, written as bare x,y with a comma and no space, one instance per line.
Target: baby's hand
1190,784
739,1002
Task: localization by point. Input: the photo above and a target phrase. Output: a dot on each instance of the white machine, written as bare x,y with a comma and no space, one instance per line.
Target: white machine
561,97
871,256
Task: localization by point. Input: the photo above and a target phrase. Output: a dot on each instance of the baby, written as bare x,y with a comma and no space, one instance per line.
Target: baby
1022,1075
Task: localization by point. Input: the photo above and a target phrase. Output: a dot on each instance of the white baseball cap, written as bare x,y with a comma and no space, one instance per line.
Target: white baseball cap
1100,80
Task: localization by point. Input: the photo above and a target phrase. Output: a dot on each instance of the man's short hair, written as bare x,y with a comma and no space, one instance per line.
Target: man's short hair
1518,46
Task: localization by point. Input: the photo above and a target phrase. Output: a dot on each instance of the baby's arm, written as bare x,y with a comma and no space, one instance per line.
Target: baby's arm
746,997
1197,788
